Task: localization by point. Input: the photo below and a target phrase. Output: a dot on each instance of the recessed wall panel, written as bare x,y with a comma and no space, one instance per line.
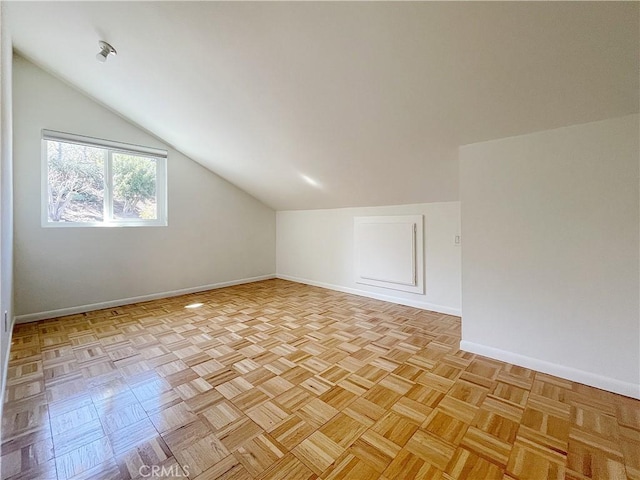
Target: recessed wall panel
389,251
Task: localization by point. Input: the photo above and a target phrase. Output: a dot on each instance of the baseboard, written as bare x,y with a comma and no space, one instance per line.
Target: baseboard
387,298
587,378
5,370
62,312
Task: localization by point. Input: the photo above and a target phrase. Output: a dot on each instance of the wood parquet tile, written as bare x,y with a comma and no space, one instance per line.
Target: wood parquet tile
281,381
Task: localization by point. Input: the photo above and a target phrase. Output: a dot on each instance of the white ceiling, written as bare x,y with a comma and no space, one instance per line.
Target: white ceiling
369,101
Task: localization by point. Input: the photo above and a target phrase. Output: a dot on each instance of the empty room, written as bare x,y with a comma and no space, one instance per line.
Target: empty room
320,240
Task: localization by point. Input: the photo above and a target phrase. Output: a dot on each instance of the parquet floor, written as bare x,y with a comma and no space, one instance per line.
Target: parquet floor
276,380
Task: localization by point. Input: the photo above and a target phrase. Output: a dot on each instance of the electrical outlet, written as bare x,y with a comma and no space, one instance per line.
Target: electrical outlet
457,240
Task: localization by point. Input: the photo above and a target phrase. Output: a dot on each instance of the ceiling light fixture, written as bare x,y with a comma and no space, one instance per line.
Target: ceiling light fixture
105,51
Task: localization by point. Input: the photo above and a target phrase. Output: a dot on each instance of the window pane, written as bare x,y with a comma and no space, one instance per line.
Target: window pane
76,182
134,187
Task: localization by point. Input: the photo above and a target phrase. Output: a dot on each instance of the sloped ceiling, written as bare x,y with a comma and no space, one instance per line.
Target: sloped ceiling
319,105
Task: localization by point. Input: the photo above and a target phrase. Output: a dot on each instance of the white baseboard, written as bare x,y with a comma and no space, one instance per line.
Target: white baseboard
587,378
5,370
62,312
387,298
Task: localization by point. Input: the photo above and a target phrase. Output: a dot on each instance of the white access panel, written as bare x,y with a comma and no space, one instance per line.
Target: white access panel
389,252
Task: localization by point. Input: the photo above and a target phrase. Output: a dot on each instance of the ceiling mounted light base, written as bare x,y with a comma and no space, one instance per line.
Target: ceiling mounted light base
105,51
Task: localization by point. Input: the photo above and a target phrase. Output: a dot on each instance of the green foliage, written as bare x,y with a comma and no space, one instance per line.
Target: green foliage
76,183
134,180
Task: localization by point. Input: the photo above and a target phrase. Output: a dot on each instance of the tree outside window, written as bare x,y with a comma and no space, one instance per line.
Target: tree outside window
87,184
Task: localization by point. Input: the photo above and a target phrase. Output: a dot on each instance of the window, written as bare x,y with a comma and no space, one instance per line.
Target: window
92,182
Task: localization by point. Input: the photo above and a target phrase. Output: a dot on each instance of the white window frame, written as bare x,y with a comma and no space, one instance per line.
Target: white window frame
111,147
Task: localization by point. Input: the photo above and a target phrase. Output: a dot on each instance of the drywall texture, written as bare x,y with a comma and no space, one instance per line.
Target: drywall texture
6,201
216,233
550,255
317,247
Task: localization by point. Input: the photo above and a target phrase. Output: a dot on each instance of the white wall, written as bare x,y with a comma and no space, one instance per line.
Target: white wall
317,247
217,233
550,273
6,202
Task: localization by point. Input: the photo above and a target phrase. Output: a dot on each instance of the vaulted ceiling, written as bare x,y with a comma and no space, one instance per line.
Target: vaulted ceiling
319,105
